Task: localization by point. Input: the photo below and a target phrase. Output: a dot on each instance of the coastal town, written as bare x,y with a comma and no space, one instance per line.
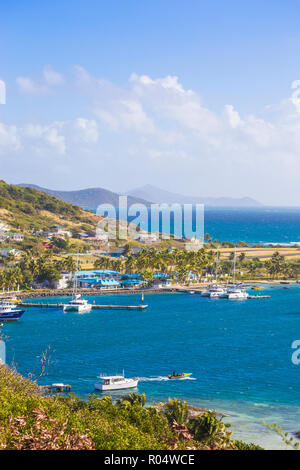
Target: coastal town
149,229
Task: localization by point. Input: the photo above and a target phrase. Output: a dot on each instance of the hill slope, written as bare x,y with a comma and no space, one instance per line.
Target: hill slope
157,195
88,198
28,208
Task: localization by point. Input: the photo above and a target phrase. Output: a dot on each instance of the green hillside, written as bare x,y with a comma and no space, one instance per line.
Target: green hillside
27,208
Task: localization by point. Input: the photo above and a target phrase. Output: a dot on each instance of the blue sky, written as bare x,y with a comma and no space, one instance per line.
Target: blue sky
193,96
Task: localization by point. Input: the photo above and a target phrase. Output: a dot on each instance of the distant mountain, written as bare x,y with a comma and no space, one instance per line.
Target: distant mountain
157,195
88,198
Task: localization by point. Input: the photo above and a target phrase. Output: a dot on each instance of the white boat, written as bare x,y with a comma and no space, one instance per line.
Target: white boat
239,294
213,292
11,300
9,312
235,293
115,382
78,304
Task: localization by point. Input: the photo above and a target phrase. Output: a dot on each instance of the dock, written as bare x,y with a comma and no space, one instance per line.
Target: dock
94,306
56,388
259,296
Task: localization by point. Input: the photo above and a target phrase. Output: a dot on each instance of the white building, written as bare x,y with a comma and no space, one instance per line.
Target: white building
63,282
148,237
5,252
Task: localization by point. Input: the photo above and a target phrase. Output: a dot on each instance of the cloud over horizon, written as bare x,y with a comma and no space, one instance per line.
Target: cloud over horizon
155,130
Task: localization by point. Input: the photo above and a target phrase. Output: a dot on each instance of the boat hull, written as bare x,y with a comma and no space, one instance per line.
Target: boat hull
103,388
14,315
78,309
173,377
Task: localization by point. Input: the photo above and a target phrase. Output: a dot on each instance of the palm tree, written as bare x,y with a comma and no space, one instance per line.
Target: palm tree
132,399
177,411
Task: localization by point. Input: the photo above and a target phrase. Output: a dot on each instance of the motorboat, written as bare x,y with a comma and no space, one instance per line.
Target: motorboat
115,382
11,300
213,292
235,293
179,376
8,312
78,304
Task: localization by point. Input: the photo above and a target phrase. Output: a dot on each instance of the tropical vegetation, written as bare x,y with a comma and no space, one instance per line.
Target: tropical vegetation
30,420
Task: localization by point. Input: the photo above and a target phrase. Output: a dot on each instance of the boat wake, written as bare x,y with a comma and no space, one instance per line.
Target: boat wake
163,379
154,379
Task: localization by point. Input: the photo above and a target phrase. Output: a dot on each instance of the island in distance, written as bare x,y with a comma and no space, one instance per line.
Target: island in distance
92,197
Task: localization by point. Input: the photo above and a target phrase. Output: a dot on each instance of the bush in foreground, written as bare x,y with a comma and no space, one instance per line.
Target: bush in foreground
30,420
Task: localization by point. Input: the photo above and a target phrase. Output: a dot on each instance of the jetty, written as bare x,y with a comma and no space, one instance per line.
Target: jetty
259,296
94,306
56,388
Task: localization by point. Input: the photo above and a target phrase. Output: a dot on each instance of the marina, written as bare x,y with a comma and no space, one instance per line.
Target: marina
203,330
93,306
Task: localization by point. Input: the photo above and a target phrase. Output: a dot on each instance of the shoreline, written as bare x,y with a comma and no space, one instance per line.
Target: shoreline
245,417
176,288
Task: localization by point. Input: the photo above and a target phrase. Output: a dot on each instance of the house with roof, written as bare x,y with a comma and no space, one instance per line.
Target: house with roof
15,237
148,237
97,283
56,232
5,252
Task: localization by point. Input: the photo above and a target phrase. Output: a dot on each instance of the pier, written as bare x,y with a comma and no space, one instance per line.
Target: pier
56,388
94,306
259,296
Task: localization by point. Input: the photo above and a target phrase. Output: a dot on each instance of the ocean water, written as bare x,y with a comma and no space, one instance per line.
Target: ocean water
238,351
252,225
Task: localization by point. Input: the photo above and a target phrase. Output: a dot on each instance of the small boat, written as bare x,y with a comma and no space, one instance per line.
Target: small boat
11,300
115,382
179,376
9,313
256,288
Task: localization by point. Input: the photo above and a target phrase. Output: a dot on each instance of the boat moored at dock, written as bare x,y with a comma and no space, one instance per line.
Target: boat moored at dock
78,304
213,292
9,313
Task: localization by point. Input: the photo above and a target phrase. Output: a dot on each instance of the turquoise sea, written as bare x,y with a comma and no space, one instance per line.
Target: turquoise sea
252,225
239,352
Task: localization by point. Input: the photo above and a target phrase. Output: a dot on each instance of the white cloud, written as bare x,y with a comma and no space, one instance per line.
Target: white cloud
87,130
28,86
156,123
50,79
47,135
233,116
9,138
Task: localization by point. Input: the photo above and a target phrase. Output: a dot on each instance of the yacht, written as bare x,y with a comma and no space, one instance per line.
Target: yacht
213,292
78,304
11,300
235,293
115,382
8,312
